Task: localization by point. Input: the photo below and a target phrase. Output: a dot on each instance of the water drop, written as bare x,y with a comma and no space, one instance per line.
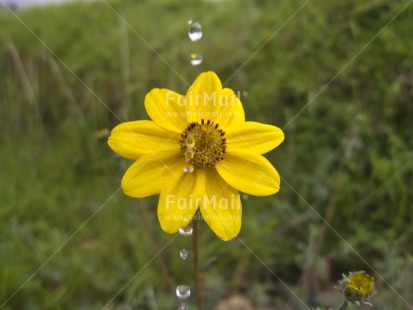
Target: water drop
186,231
194,31
188,168
189,21
183,254
190,141
183,291
195,59
182,306
189,154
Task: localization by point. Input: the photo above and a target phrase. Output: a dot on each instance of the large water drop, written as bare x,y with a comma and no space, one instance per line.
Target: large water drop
183,291
195,31
195,59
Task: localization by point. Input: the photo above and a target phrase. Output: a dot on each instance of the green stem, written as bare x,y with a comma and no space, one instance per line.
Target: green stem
343,305
198,296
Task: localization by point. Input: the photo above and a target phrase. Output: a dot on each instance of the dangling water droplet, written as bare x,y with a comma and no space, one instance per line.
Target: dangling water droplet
182,306
195,59
189,154
186,231
188,168
194,31
190,141
183,254
183,291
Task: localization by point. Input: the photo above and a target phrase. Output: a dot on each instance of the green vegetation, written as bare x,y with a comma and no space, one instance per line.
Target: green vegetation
337,77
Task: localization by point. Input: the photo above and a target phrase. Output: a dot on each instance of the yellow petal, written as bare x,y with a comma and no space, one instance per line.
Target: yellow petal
229,109
207,82
147,175
179,199
254,137
133,139
167,109
221,206
201,98
249,172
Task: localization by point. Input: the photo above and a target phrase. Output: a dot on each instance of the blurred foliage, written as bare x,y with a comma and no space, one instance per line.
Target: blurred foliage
336,76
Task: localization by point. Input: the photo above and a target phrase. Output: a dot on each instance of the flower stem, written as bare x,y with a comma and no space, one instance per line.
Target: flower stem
155,246
343,305
198,296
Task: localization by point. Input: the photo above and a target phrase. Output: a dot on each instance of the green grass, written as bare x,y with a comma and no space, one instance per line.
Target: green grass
334,77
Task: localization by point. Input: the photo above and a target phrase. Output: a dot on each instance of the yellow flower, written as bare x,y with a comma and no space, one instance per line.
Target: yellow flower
357,287
197,152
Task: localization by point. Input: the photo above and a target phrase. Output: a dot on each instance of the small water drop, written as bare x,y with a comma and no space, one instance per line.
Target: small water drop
182,306
186,231
183,291
183,254
195,59
189,21
188,168
194,31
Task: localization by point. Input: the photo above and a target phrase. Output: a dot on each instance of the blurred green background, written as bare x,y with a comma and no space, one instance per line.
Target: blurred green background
337,76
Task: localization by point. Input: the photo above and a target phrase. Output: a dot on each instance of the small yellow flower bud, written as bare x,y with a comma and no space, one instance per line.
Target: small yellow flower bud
357,287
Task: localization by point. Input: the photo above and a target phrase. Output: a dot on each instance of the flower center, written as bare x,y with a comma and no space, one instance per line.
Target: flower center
203,144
